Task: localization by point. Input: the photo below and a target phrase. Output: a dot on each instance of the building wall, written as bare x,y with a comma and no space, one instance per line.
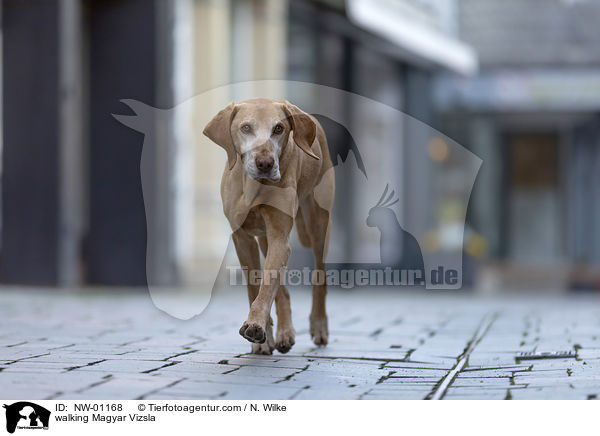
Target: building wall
534,32
233,41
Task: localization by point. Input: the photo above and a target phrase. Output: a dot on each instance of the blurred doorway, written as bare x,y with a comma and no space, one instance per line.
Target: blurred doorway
534,231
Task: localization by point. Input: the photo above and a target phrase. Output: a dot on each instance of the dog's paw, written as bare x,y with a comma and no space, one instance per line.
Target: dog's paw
286,338
253,332
319,330
268,346
262,348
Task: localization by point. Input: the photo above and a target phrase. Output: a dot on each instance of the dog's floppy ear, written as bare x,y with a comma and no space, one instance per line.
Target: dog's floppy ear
218,130
303,126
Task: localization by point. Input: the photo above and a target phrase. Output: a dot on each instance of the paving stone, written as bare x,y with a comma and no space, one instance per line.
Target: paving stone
123,366
455,393
264,371
419,365
383,345
417,372
122,387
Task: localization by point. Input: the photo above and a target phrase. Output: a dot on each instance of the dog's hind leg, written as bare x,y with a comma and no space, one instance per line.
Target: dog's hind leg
286,335
318,221
247,251
303,235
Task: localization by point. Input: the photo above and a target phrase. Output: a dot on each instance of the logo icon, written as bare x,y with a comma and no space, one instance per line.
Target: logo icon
398,248
26,415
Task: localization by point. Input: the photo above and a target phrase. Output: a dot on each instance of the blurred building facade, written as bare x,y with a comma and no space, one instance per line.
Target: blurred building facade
531,113
520,90
72,206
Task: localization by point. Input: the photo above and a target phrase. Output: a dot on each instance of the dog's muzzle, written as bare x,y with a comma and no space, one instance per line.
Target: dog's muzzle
264,164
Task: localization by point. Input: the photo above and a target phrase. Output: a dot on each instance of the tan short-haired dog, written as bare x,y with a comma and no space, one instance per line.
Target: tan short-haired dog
285,175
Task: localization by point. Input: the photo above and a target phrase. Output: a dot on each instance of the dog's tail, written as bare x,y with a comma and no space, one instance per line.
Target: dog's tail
301,229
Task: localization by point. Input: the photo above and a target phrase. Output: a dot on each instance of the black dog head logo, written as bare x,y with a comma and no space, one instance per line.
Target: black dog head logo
26,414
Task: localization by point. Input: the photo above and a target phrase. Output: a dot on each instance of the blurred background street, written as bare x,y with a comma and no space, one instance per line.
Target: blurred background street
521,90
516,83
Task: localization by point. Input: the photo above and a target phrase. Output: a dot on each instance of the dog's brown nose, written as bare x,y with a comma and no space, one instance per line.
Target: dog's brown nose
264,163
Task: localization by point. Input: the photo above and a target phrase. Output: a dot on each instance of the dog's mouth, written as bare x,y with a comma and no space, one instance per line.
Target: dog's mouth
268,177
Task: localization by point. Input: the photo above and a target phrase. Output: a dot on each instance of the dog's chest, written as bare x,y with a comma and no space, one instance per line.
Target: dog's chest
254,223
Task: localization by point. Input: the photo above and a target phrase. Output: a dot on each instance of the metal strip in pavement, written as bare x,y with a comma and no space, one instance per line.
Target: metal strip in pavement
439,392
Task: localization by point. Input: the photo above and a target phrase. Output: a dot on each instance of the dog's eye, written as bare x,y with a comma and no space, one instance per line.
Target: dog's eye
246,128
278,129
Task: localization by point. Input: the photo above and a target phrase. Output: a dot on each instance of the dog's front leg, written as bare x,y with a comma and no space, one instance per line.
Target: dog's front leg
286,335
247,251
278,226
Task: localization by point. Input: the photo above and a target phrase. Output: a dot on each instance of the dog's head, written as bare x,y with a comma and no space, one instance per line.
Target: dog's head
258,130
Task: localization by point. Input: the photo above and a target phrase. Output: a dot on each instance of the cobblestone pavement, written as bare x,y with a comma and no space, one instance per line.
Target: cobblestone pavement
383,345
